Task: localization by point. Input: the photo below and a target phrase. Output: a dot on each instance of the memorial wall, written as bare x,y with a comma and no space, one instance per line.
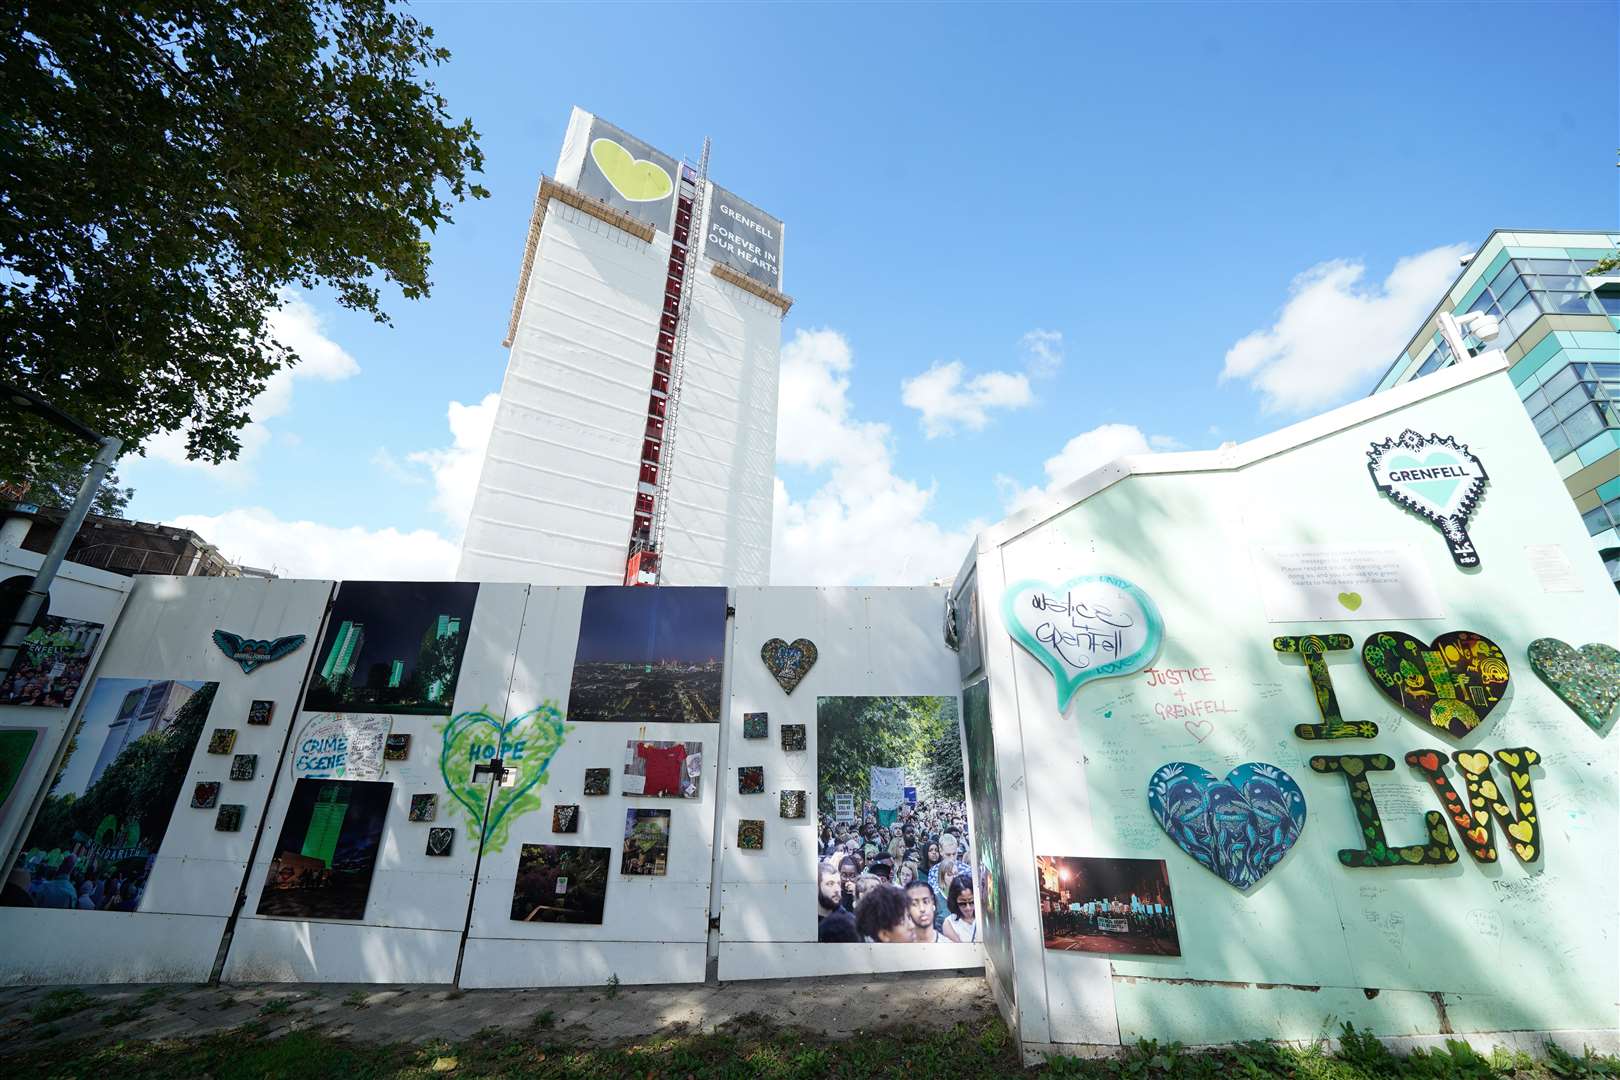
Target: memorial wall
1248,743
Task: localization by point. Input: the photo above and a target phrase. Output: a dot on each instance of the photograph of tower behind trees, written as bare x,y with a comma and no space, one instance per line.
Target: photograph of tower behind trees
97,835
393,647
649,655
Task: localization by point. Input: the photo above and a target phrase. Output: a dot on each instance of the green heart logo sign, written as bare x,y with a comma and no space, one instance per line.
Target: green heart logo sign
1586,679
1350,600
635,179
1434,477
1087,628
525,744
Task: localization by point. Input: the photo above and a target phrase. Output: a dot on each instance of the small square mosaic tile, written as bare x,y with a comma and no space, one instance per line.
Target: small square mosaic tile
751,834
205,796
244,766
229,818
793,804
756,725
424,807
565,819
598,781
222,740
751,779
793,737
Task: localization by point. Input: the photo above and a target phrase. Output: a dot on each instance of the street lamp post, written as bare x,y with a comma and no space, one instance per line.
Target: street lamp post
108,447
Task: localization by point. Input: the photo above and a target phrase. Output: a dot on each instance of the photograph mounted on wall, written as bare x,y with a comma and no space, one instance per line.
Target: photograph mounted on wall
560,883
51,663
17,746
646,842
668,770
94,841
322,863
891,792
649,655
393,647
1107,905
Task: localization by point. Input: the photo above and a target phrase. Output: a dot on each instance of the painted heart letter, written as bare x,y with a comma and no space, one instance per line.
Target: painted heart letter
1452,683
1587,680
636,179
1087,628
789,663
1238,828
525,744
1436,478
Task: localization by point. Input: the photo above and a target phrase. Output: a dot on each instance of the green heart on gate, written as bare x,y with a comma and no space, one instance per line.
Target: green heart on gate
525,744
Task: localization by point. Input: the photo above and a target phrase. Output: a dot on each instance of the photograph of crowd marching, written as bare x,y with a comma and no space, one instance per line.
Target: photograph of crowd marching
892,835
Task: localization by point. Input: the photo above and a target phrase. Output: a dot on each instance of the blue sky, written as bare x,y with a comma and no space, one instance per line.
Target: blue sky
1140,188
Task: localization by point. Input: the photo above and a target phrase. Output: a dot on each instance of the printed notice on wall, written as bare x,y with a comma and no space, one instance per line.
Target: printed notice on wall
1340,583
1551,565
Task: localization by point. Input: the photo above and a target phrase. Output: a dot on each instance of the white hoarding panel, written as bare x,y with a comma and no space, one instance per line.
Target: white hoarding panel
872,643
1336,910
165,638
412,914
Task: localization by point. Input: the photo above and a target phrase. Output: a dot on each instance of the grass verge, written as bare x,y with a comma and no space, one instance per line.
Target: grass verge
766,1052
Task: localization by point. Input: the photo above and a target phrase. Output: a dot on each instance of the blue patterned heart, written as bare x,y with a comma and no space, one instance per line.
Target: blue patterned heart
1238,828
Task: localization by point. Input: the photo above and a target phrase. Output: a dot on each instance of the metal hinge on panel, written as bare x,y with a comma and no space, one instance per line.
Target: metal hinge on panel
731,612
714,922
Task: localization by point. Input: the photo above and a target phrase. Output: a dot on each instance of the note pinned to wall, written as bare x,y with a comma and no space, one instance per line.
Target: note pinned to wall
1343,583
1552,568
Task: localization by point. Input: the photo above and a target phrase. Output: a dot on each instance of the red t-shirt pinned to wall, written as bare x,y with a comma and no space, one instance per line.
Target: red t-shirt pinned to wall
664,766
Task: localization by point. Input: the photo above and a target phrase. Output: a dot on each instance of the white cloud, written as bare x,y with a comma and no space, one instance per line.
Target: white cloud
1082,454
1043,352
310,549
946,401
864,524
1336,332
299,327
455,468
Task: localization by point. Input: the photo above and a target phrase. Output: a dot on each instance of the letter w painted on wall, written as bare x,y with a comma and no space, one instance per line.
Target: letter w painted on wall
1514,805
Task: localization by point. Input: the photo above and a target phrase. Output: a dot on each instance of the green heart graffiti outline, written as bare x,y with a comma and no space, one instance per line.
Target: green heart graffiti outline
550,731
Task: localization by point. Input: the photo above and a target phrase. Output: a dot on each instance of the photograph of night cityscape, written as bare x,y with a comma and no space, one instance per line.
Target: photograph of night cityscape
649,655
393,647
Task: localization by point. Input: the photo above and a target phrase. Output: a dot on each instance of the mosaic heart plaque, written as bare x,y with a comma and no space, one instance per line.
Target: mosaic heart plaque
1452,683
1586,679
1238,828
1087,628
789,663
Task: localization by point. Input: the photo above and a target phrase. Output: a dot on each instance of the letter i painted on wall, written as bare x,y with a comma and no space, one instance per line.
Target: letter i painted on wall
1435,850
1312,650
1515,807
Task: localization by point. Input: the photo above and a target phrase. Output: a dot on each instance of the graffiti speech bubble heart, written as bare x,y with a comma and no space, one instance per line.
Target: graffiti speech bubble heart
1087,628
525,743
1238,828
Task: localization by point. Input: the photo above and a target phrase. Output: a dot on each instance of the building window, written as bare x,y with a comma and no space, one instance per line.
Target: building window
1575,404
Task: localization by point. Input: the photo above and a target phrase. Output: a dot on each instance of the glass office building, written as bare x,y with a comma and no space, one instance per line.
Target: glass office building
1560,329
